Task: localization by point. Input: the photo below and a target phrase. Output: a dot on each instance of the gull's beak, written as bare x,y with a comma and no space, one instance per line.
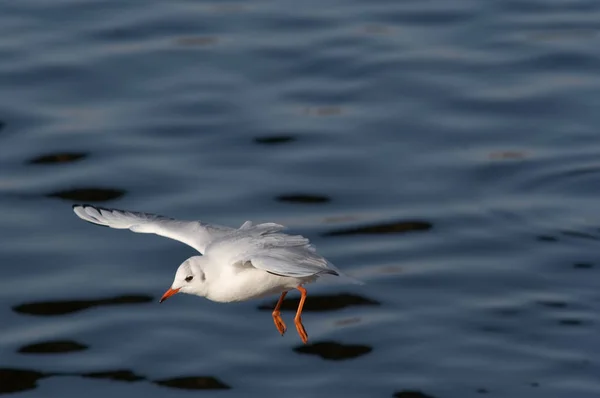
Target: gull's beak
168,294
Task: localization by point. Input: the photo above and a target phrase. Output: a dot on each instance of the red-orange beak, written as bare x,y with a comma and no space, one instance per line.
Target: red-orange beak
168,294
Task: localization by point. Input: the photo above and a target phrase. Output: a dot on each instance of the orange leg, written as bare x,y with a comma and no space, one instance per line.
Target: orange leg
298,318
277,317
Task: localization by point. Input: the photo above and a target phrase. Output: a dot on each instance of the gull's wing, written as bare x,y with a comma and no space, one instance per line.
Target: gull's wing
266,248
193,233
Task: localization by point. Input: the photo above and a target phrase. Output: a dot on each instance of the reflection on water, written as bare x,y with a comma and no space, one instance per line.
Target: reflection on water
567,234
53,347
61,157
274,139
116,375
411,394
547,238
324,302
194,383
15,380
88,194
383,228
579,234
552,303
570,322
303,198
333,351
52,308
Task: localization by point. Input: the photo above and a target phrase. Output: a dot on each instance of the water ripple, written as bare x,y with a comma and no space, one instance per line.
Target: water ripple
16,380
53,347
411,394
194,383
88,194
383,228
447,152
303,198
54,308
274,139
333,351
58,158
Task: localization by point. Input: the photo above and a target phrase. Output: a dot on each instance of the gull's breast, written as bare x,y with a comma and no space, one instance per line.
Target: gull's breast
251,283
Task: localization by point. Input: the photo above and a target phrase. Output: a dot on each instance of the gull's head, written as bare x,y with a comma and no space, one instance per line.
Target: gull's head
189,278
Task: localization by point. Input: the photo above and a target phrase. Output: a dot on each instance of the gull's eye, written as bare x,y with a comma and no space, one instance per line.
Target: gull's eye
189,278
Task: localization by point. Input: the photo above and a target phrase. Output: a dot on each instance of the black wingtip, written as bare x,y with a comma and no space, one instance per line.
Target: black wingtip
329,272
84,205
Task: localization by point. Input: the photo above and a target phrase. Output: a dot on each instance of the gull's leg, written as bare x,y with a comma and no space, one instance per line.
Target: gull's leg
298,318
277,317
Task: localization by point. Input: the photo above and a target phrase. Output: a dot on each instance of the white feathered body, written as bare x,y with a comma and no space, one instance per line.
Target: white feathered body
231,285
258,261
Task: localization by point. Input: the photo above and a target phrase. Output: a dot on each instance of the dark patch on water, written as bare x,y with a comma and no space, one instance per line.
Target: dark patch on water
2,125
570,322
411,394
15,380
53,347
88,194
482,391
384,228
194,383
578,234
303,198
52,308
333,351
318,303
116,375
274,139
547,238
583,265
54,158
552,303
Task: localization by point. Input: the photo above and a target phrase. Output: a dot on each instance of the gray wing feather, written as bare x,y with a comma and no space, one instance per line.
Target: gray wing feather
266,248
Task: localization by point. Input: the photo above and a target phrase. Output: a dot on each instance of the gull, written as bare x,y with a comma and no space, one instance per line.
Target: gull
237,264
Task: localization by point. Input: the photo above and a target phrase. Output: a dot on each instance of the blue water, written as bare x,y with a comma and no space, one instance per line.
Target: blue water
446,153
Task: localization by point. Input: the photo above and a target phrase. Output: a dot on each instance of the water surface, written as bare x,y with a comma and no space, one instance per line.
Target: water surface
446,153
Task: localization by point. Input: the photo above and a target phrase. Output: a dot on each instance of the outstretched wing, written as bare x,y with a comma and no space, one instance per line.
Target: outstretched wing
193,233
266,248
